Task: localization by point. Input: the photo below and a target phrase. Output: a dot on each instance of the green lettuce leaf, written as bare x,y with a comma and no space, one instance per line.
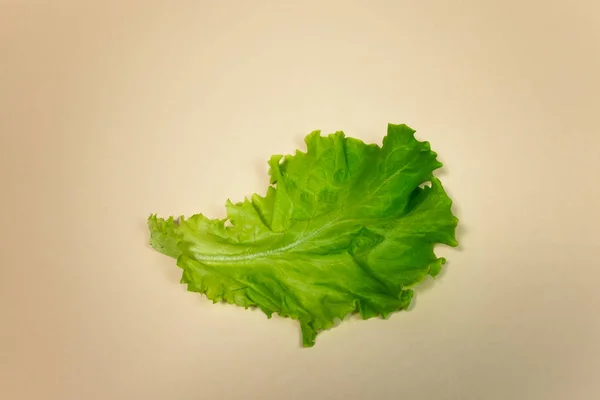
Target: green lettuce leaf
345,227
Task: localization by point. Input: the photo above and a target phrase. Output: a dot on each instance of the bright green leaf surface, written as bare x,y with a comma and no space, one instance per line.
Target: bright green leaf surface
345,227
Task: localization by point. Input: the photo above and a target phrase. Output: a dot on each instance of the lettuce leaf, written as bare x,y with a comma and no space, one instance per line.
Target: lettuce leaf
344,227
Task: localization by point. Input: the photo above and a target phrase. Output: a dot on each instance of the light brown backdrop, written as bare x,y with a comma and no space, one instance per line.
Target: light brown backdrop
111,110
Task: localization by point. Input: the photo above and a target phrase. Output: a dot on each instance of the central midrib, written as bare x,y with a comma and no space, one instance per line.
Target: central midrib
266,253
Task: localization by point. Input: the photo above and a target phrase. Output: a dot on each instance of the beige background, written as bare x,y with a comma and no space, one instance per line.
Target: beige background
111,110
